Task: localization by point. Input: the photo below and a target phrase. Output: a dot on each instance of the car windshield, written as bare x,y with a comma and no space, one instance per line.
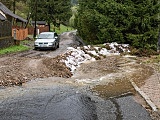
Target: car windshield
48,36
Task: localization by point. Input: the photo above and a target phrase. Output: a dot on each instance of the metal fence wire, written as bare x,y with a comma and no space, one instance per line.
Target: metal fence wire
5,28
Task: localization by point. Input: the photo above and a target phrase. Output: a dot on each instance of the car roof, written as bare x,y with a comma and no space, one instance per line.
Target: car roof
47,32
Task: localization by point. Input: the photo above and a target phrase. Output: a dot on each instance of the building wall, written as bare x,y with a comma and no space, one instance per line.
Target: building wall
6,42
41,29
5,28
6,38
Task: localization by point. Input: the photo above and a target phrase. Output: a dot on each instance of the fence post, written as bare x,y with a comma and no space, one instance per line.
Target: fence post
14,34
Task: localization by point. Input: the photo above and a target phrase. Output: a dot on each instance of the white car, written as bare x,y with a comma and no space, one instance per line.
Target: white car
47,40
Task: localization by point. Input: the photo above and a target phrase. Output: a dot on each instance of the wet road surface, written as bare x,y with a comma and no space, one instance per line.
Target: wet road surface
56,99
38,100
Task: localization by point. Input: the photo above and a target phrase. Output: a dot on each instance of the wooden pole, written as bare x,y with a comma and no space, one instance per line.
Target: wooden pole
35,20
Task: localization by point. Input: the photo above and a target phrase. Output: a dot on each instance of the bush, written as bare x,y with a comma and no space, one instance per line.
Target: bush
143,52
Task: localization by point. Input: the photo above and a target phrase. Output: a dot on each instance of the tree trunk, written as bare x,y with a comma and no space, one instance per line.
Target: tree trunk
49,25
14,6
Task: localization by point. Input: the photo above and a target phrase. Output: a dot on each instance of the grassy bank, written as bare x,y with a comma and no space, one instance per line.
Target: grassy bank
62,29
13,49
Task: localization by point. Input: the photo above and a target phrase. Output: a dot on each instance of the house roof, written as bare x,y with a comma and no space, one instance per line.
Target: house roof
39,22
10,13
2,17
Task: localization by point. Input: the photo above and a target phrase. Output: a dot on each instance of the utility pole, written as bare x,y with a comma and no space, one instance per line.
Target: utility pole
159,14
35,20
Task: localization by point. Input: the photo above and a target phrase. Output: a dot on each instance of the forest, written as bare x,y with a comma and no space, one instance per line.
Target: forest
135,22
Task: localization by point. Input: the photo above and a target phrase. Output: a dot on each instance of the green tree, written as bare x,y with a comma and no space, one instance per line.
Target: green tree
72,19
7,3
11,4
53,11
86,21
134,22
74,2
143,29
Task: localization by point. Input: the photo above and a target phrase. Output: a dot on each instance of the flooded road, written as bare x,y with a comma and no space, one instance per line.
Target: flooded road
60,100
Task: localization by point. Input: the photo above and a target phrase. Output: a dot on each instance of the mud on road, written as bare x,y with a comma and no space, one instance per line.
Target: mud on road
108,77
19,68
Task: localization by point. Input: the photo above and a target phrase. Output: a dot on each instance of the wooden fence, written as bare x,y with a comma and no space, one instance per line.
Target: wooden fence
41,29
19,33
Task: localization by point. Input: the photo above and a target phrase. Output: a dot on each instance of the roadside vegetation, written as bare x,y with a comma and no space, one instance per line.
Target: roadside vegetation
62,28
55,12
132,22
74,14
13,49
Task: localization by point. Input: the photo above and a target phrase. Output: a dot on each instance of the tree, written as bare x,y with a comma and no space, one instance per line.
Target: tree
134,22
143,30
72,19
74,2
86,21
7,3
11,4
53,11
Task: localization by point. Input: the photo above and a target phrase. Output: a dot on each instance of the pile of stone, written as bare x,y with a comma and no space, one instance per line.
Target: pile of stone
76,56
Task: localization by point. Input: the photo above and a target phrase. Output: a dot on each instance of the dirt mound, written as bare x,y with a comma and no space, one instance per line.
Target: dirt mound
15,71
56,67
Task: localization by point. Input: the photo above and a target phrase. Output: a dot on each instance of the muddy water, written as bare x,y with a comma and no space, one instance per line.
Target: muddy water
119,87
122,86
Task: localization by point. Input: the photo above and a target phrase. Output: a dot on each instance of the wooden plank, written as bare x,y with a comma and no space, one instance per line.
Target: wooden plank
146,98
2,38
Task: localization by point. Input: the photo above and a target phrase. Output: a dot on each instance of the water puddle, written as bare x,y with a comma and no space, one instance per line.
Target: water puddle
118,88
122,86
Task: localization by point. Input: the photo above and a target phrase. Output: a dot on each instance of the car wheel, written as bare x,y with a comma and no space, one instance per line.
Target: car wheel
58,45
35,48
54,47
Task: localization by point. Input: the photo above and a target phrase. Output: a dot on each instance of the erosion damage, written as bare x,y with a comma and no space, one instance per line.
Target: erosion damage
100,72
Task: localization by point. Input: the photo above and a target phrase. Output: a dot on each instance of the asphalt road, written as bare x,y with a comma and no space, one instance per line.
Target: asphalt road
59,100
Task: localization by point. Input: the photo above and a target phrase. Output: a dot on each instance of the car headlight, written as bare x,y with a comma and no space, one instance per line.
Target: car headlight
50,43
36,43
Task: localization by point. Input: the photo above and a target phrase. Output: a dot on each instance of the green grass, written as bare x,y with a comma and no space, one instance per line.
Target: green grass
155,59
62,29
13,49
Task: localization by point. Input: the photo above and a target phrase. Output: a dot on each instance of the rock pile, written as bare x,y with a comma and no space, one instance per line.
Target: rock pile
75,56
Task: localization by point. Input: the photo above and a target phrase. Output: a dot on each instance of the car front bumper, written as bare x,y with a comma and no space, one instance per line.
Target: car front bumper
43,46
